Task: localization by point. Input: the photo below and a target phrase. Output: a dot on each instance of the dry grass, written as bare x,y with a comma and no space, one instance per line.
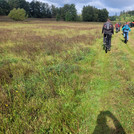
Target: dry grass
26,39
40,87
54,78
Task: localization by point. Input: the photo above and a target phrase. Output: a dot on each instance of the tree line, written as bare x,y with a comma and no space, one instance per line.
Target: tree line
68,12
90,13
124,16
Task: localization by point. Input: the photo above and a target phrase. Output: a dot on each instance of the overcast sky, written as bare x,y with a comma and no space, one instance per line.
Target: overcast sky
113,6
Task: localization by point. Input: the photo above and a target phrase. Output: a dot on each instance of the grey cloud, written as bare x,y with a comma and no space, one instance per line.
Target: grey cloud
118,3
113,6
70,1
107,3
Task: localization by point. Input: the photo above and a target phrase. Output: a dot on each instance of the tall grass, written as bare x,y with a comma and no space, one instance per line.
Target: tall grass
41,78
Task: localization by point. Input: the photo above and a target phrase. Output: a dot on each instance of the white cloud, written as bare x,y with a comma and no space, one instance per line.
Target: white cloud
47,1
113,6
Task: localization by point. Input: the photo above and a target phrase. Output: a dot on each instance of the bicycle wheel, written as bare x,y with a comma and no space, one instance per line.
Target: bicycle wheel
116,30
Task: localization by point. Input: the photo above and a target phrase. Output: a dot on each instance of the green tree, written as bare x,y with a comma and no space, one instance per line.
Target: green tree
113,18
90,13
68,16
95,14
18,14
54,11
69,12
25,5
64,10
87,13
19,4
35,9
73,12
58,17
79,18
103,15
13,4
40,10
4,7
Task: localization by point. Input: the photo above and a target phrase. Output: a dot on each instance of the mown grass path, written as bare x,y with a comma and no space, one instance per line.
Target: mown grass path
109,102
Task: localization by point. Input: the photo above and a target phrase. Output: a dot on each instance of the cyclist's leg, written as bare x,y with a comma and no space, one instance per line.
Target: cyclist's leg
109,42
104,39
124,34
127,35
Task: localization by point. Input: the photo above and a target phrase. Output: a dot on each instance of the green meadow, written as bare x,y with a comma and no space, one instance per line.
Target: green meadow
55,78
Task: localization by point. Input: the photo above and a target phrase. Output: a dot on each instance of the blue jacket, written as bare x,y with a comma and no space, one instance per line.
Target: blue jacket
125,30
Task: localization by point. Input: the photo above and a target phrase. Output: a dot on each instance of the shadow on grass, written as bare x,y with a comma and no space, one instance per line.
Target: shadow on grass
123,40
103,46
103,128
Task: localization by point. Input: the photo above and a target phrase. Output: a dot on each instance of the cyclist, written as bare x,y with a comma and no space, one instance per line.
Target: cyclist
126,30
120,25
108,29
117,26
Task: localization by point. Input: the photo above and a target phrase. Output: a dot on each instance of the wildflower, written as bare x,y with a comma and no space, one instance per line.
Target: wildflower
6,105
16,91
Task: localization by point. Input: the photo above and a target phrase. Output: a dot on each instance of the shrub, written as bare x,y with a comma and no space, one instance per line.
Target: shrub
18,14
58,17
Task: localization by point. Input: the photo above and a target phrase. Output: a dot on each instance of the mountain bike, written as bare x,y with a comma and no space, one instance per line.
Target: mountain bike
106,43
117,30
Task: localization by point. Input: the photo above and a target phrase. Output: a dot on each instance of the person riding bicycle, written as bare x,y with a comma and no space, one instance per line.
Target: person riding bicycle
117,26
108,29
126,29
122,27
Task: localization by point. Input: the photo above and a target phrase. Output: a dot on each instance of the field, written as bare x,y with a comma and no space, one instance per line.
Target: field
55,78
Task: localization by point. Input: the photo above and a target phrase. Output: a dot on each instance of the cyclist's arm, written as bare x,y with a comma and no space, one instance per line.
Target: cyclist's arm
129,29
123,28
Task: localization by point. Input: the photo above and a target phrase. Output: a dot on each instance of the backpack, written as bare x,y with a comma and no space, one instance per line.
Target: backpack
126,27
108,26
116,26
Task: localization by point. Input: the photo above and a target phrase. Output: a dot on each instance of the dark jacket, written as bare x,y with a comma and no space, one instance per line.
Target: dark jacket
110,31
